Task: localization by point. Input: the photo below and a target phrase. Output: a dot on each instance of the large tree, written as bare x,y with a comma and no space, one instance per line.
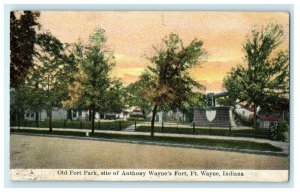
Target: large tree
265,78
50,74
169,80
22,39
93,89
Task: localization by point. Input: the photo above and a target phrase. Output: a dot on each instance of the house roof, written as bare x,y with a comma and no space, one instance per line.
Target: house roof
246,107
269,117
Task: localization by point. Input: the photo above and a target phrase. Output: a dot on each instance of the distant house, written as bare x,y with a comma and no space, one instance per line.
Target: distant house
61,114
266,120
244,110
57,114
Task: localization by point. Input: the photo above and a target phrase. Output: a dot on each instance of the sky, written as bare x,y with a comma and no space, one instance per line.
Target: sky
132,34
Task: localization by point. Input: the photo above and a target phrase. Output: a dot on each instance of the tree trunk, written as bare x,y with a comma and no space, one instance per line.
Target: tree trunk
69,114
37,118
19,119
93,120
254,117
153,119
50,119
90,115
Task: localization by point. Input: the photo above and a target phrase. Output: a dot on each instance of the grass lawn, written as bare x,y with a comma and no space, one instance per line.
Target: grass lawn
233,144
99,125
259,133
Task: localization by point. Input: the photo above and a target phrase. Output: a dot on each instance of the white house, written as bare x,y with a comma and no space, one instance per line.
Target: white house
57,114
244,110
265,120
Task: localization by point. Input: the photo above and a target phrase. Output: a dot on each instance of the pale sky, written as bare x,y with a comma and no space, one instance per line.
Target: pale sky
131,35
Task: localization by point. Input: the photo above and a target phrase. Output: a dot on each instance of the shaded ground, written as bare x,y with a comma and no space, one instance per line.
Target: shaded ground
46,152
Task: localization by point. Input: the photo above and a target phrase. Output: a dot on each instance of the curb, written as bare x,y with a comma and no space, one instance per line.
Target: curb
163,144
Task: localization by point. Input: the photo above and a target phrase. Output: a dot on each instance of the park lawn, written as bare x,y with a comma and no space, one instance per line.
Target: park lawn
259,133
229,144
102,125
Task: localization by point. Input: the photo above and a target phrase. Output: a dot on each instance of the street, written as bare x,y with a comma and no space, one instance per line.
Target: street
56,153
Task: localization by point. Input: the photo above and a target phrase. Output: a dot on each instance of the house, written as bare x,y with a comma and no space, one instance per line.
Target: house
244,110
61,114
266,120
57,114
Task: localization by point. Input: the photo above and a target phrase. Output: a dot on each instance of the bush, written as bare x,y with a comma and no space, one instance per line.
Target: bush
279,133
248,121
110,116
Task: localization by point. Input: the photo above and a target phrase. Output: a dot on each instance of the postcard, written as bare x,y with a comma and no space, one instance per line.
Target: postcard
149,96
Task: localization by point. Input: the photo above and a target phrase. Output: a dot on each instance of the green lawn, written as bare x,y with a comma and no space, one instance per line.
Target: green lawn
104,125
233,144
259,133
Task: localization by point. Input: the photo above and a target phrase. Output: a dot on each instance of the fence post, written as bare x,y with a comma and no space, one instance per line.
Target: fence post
120,125
99,124
162,126
194,129
229,131
134,125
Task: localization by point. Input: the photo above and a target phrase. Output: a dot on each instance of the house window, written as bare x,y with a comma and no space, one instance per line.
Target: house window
266,124
79,113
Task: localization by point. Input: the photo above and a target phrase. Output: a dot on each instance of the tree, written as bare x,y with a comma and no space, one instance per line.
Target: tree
50,74
22,40
226,101
135,93
169,80
193,100
265,79
92,86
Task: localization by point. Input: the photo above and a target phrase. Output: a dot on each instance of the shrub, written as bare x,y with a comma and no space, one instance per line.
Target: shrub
279,132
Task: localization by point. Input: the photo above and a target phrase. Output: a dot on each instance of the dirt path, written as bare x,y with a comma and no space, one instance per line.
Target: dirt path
49,152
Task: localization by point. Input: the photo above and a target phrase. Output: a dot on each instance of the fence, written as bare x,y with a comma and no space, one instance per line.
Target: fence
191,128
105,125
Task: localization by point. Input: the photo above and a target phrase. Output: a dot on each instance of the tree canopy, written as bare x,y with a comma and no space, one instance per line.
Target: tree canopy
168,77
22,39
92,88
265,78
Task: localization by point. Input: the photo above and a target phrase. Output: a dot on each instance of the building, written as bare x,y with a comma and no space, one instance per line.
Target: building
57,114
244,110
267,120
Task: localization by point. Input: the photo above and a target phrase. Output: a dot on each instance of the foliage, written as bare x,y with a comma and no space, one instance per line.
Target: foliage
226,101
168,80
265,79
46,82
281,131
247,121
193,100
92,88
136,94
22,40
